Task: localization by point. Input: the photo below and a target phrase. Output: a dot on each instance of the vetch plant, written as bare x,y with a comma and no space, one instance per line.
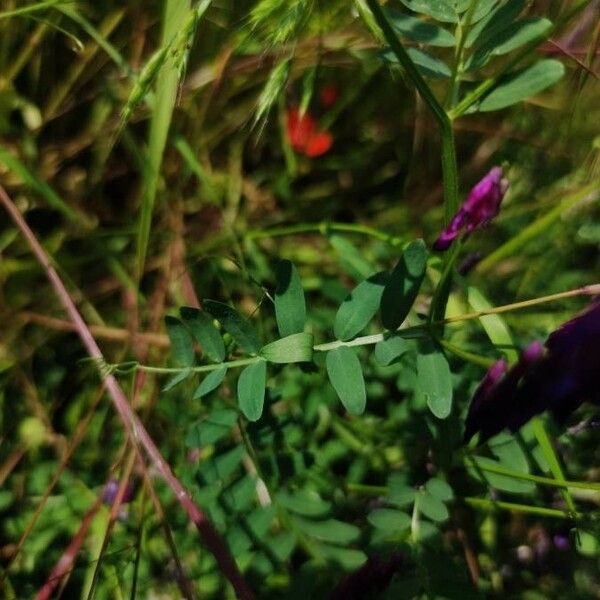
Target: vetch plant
312,417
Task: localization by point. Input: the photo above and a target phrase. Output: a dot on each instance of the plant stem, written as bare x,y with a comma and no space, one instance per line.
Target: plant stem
323,228
449,166
522,508
138,434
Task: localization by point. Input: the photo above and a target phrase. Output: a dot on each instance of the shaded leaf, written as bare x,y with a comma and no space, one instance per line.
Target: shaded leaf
403,285
217,425
351,259
389,350
438,9
237,326
434,384
439,489
389,520
251,390
211,382
432,507
204,332
359,307
419,30
290,304
329,530
499,19
346,377
427,65
182,348
303,502
523,32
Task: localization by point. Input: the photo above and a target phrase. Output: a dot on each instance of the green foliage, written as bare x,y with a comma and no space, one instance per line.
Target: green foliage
290,305
297,347
129,142
204,332
359,307
346,377
251,390
237,326
403,285
434,384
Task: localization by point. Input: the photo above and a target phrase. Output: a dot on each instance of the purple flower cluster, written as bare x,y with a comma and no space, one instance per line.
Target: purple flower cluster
558,379
480,207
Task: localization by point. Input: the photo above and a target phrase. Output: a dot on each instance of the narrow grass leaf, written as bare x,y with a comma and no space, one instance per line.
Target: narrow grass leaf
237,326
359,307
210,383
294,348
290,304
182,348
32,181
351,258
434,384
494,325
403,285
204,332
346,377
251,390
167,82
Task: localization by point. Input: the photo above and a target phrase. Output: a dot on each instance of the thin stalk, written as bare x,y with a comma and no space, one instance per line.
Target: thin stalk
449,165
132,424
588,193
323,228
522,508
369,340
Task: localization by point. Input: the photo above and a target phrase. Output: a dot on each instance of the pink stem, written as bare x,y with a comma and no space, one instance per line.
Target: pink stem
66,561
134,427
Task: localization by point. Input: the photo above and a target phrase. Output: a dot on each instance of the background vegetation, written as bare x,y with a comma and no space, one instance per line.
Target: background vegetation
148,146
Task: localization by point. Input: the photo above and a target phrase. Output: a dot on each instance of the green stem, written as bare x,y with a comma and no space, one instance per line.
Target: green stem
369,340
541,225
562,483
449,166
324,228
522,508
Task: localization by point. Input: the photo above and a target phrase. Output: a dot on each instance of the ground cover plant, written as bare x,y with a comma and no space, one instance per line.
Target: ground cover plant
299,299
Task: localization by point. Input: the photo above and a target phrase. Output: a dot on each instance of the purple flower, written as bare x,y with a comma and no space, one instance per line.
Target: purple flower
480,207
558,379
110,492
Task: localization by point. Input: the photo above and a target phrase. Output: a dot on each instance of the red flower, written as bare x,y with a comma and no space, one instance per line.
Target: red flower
304,134
329,95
